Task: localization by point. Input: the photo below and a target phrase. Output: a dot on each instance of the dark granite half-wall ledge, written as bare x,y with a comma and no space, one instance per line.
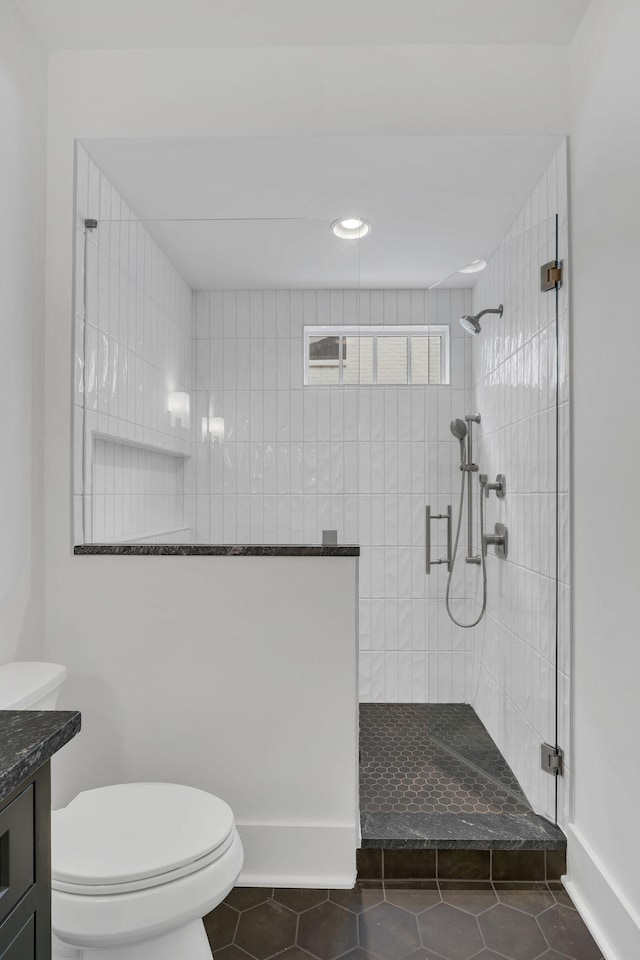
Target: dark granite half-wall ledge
216,550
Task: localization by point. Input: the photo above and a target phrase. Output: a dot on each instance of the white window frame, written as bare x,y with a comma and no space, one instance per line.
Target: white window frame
380,330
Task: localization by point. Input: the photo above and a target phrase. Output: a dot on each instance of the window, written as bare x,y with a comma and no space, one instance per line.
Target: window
380,355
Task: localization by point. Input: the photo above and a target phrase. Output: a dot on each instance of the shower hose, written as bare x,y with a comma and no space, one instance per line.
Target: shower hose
455,553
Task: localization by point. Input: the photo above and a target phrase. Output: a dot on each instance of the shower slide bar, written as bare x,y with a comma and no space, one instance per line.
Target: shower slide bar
437,516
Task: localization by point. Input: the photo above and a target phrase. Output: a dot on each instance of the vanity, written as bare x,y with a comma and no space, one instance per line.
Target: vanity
28,740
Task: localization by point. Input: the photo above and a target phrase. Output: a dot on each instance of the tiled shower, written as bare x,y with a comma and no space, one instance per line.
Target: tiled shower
192,424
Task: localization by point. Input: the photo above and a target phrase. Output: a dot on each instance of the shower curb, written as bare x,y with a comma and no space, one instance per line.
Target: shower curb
463,865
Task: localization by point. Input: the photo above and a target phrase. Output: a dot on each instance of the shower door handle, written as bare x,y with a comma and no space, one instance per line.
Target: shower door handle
427,532
428,518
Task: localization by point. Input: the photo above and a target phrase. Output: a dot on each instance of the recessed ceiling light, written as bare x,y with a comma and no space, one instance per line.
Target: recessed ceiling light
350,228
474,267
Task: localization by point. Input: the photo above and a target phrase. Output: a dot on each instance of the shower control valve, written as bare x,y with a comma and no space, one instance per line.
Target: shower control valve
499,540
500,486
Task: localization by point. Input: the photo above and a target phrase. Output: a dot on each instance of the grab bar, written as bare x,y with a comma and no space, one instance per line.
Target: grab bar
437,516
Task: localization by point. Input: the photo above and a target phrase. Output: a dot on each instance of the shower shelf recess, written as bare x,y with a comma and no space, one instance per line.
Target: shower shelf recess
140,538
167,451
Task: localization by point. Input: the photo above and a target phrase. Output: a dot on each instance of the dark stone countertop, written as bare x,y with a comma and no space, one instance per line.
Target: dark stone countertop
28,738
217,550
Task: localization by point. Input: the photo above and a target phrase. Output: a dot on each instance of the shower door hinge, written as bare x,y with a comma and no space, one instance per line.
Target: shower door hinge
551,759
551,275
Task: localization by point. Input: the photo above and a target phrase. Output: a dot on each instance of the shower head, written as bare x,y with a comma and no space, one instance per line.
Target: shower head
459,429
472,324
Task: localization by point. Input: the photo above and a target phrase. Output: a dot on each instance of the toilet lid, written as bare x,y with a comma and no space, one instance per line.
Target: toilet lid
136,831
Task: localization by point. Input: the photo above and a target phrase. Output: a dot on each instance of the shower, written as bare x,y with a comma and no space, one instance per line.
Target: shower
472,325
461,431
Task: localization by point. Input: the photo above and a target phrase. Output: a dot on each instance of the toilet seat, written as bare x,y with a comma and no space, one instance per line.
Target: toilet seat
134,836
144,883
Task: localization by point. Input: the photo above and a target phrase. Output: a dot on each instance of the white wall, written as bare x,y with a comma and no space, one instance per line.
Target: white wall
362,460
23,104
132,358
387,90
515,389
217,672
604,843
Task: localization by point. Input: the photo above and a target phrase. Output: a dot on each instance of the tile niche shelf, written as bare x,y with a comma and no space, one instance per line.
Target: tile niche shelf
129,484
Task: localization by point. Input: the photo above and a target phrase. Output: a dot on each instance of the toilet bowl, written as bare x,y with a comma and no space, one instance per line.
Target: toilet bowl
135,866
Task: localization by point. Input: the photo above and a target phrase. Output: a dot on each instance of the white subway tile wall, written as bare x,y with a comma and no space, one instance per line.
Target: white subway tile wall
132,374
292,461
515,367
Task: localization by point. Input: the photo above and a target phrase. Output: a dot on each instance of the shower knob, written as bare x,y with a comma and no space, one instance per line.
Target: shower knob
499,540
500,486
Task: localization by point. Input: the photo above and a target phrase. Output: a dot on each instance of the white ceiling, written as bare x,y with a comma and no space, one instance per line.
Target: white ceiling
244,212
157,24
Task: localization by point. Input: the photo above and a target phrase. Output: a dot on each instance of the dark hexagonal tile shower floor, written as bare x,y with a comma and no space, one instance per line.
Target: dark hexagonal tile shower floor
401,921
432,758
431,776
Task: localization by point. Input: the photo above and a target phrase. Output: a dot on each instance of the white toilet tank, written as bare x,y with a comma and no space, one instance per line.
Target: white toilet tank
30,685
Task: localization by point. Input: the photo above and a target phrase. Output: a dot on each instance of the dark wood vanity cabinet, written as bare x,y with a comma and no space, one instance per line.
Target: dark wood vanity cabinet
25,870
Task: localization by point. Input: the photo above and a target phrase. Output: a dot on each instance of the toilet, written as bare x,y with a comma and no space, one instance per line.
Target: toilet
134,866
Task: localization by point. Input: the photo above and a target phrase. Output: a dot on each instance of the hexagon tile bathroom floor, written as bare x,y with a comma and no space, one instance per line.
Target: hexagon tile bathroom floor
401,921
430,775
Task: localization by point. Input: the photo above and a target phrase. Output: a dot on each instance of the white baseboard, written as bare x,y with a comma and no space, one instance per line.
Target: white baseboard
298,855
612,920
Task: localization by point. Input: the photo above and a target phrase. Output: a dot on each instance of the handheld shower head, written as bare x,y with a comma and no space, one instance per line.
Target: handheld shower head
459,430
472,324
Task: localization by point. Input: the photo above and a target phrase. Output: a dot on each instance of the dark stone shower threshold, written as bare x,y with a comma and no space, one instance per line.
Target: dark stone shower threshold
431,778
453,831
